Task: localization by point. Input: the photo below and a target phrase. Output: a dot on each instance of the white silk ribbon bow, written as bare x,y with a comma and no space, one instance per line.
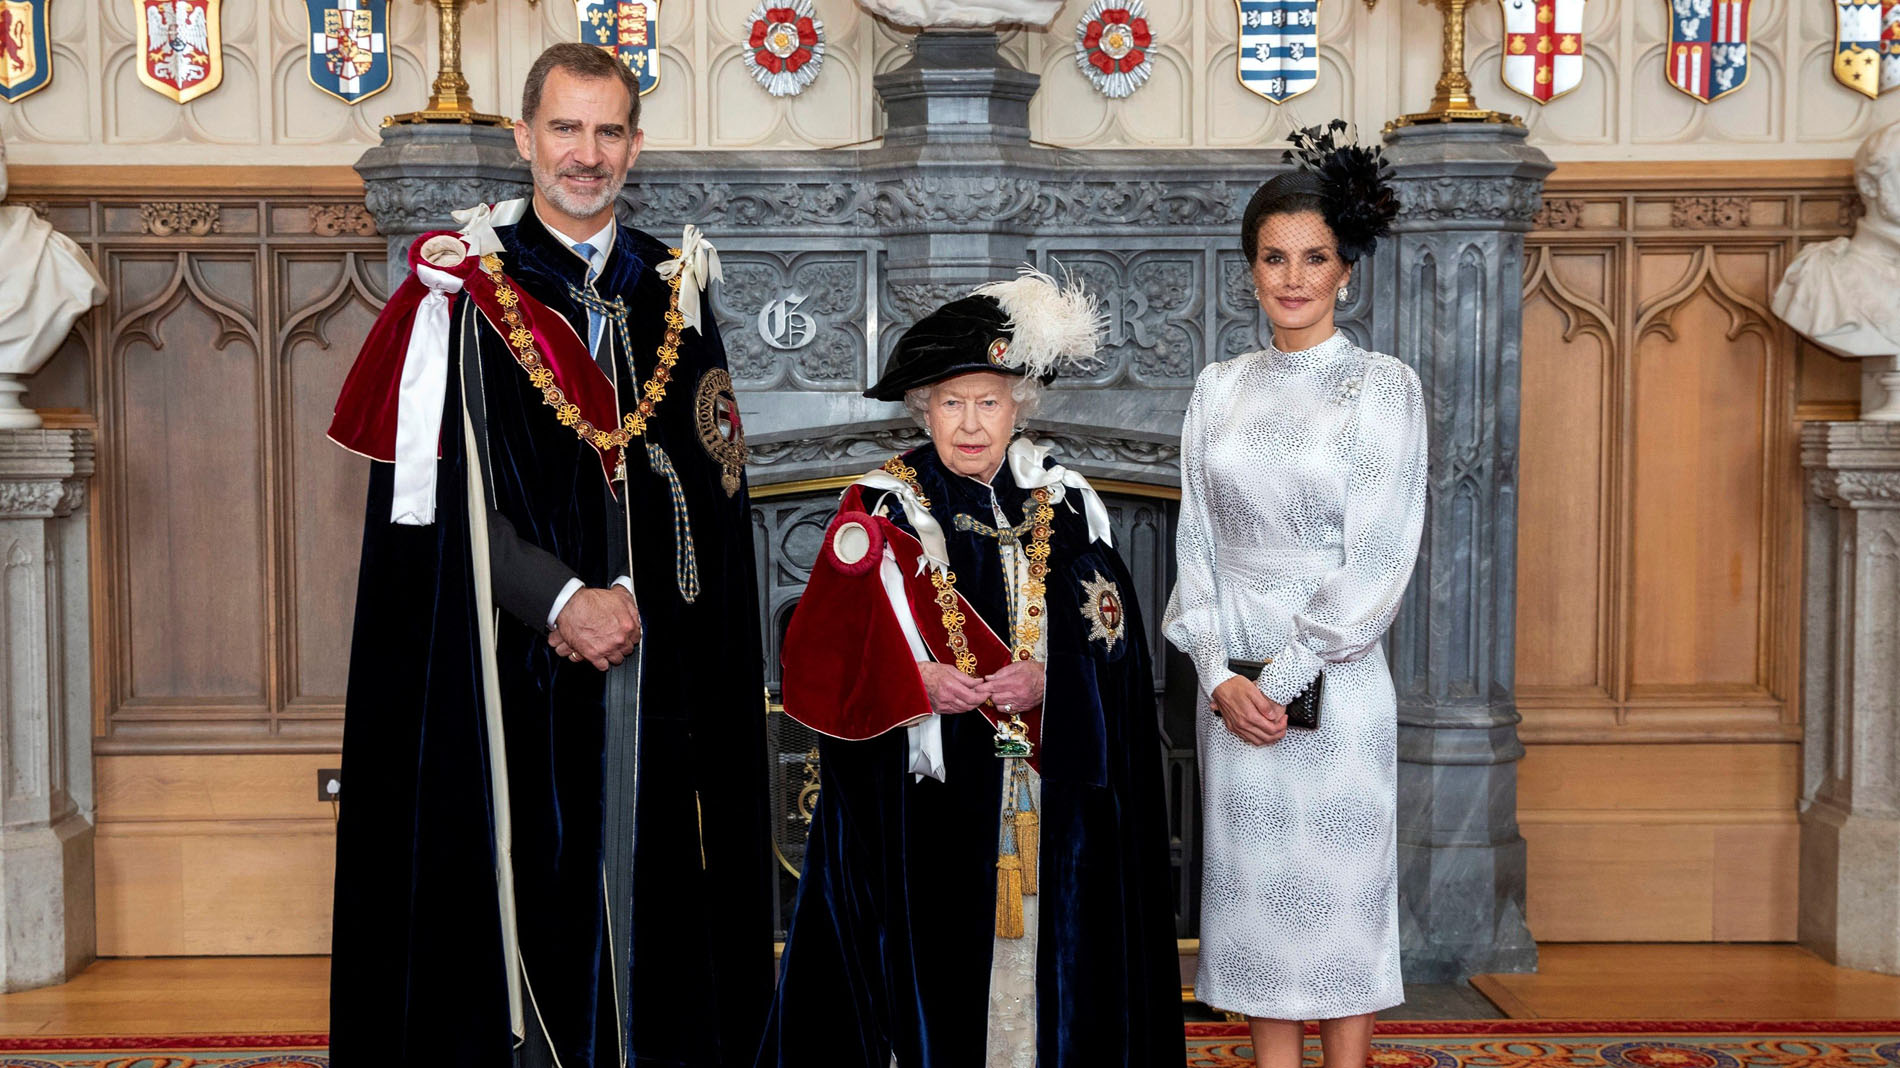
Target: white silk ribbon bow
479,222
425,382
936,552
697,268
1026,465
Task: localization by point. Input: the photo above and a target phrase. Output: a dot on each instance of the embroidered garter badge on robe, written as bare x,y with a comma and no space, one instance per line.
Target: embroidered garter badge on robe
1102,607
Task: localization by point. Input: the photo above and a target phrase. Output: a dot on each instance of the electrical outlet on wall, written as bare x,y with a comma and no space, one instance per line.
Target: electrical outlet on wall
329,784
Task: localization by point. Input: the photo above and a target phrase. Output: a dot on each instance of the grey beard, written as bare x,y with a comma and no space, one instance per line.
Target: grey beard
549,187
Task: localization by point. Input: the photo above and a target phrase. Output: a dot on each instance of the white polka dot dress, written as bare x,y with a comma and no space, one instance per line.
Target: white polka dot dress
1302,499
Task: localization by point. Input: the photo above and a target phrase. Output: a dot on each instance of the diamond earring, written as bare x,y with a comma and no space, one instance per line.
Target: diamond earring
1344,294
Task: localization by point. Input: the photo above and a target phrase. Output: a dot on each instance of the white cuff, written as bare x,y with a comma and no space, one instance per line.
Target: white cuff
626,582
560,600
1290,672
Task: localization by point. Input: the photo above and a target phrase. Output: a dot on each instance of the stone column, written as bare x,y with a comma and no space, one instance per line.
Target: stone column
1450,284
46,807
421,173
1850,795
951,180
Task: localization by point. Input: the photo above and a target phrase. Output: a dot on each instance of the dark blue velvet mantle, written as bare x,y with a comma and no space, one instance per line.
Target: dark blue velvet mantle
890,945
417,974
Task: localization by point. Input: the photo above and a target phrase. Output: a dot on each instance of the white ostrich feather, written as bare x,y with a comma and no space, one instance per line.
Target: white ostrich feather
1051,324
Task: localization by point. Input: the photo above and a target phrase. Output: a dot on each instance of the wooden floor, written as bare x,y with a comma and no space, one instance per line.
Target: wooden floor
178,995
256,995
1736,981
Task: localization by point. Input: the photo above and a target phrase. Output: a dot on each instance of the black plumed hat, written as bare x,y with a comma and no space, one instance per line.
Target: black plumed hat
1355,185
1027,326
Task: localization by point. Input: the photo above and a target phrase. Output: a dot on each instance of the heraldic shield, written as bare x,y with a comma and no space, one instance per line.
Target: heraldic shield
180,52
1707,56
1279,47
1867,45
628,28
26,63
349,52
1543,47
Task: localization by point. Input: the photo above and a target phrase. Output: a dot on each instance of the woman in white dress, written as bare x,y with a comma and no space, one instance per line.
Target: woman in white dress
1302,499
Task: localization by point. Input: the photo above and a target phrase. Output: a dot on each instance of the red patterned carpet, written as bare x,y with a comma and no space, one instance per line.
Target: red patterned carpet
1586,1044
1448,1044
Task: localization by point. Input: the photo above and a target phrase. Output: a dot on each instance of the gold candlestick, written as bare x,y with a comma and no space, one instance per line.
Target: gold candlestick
1453,102
450,101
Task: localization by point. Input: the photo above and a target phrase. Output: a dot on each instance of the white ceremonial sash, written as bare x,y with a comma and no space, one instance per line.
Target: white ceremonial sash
498,790
425,382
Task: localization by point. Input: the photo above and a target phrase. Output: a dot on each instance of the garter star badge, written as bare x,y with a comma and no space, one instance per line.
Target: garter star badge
181,54
1867,45
26,62
785,46
1543,47
630,29
1111,46
349,56
1707,54
1102,607
1278,55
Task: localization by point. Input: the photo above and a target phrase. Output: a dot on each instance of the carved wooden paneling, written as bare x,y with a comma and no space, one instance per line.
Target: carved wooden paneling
1656,556
1658,551
227,527
320,485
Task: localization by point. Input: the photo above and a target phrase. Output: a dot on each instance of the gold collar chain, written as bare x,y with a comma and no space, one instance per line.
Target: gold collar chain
1026,631
521,343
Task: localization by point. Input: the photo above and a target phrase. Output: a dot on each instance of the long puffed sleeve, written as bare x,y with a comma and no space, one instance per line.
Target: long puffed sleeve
1384,515
1193,619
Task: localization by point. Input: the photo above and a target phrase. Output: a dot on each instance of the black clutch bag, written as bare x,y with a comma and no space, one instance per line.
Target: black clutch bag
1303,710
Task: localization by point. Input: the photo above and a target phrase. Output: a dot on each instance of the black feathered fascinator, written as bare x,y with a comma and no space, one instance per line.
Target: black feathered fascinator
1357,192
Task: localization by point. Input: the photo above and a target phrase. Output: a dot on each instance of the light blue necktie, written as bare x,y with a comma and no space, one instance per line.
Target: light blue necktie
595,321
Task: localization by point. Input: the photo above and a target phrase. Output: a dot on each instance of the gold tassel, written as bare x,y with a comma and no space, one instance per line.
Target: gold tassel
1009,896
1027,827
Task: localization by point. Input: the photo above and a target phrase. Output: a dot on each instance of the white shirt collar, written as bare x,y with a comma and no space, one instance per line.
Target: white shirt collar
603,243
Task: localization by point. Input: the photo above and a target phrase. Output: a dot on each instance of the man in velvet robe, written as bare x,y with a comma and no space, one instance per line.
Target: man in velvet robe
618,854
924,930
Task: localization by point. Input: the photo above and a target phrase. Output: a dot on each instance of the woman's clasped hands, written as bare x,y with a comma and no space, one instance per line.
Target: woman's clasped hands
1016,688
1252,716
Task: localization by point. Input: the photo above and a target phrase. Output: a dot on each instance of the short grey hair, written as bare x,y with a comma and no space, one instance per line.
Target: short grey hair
1026,392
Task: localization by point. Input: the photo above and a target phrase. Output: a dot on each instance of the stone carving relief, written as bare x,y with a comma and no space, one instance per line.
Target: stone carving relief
932,200
1241,325
832,286
872,446
173,218
41,500
417,204
1436,199
716,204
1846,489
1147,204
1154,302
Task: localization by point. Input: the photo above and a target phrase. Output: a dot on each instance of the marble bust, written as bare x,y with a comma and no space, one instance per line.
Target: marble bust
1844,294
964,14
46,282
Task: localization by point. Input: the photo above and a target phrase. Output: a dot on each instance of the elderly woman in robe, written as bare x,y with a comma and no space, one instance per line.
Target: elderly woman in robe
986,881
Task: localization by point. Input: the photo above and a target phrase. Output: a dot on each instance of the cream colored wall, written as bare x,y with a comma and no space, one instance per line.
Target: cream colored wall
1375,64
